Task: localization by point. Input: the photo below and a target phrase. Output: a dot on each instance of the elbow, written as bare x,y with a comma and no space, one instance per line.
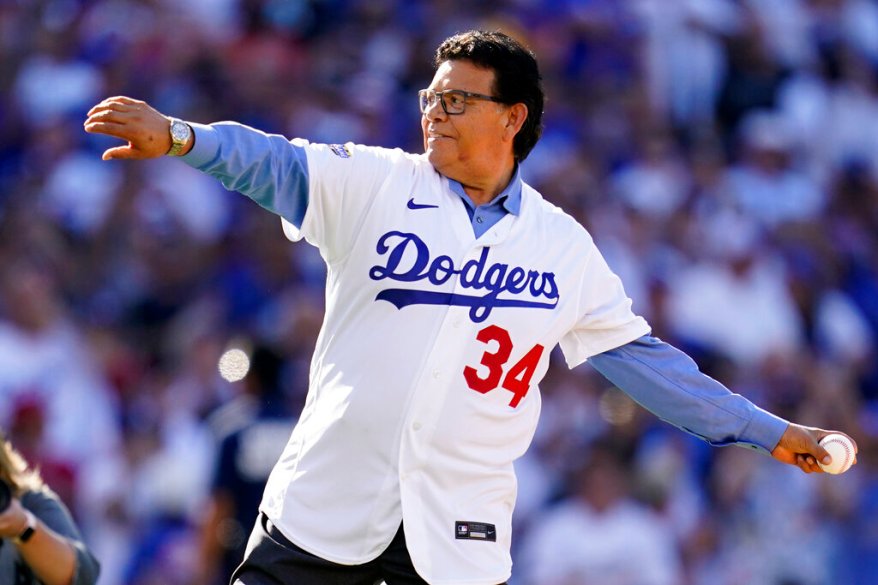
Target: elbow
86,569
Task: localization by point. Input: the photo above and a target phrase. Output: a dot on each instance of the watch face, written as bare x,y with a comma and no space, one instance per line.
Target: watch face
179,131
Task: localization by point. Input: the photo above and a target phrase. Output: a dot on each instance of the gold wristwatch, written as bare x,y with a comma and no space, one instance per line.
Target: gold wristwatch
180,132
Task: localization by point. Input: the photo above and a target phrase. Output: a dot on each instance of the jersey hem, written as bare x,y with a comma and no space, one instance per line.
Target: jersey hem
323,554
361,561
291,232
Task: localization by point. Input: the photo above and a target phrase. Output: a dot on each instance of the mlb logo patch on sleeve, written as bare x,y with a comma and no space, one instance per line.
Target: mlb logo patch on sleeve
475,531
340,150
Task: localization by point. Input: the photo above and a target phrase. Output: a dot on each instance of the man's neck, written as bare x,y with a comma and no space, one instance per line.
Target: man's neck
485,192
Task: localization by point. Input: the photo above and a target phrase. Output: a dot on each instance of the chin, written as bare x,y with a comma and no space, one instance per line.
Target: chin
437,158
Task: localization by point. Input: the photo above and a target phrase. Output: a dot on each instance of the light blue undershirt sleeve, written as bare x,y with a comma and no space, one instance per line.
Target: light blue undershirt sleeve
267,168
668,383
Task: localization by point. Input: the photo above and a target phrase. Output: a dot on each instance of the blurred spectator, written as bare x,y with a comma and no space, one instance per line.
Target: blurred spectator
251,431
655,182
757,534
766,184
600,534
684,55
45,364
39,541
856,509
735,301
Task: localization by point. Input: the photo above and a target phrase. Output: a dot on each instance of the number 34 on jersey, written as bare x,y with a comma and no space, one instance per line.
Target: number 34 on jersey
494,369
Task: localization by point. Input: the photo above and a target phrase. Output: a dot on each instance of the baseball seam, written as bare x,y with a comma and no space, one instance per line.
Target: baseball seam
847,451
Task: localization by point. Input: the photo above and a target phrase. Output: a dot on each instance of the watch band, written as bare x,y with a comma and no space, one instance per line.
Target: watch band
29,528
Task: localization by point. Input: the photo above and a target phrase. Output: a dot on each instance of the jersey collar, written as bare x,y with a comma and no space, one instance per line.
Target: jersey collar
509,199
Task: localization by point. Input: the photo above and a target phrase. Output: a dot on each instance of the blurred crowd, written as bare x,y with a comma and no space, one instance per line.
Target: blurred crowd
723,154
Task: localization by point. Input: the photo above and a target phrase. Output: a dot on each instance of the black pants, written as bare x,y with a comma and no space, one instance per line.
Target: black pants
271,559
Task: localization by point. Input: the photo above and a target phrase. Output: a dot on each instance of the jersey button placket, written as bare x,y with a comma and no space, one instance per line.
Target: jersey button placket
428,404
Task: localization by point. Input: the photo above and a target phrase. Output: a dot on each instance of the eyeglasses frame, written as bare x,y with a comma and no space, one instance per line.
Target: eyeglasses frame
466,95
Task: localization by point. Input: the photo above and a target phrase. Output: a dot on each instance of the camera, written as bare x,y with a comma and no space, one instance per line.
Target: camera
5,495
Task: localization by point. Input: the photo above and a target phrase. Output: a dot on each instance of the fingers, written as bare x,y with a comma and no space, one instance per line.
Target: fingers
807,463
815,448
107,119
11,519
118,152
111,113
116,103
822,455
124,153
813,452
108,128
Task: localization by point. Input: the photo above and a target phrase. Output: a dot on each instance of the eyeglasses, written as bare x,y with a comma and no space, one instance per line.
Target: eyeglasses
453,100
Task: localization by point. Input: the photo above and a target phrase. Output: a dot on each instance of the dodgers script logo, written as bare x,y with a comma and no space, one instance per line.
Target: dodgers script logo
475,274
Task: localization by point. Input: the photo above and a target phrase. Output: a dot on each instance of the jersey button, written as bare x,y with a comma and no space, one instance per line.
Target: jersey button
416,426
436,374
479,219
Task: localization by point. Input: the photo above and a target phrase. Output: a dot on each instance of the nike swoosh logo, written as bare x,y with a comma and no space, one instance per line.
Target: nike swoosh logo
412,205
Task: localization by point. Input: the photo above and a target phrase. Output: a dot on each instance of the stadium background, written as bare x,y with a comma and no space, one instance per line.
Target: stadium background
723,153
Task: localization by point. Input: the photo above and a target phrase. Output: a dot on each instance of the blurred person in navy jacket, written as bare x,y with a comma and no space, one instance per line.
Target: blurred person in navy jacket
251,432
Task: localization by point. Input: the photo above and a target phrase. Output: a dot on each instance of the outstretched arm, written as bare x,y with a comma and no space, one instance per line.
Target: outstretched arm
53,557
145,129
267,168
668,383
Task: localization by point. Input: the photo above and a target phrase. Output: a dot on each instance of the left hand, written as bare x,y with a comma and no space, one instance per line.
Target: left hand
800,446
13,520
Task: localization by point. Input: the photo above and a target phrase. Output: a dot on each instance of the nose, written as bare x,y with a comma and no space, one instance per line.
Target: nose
434,110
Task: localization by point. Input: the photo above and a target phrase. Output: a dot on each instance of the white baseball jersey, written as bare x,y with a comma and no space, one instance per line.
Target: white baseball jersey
424,381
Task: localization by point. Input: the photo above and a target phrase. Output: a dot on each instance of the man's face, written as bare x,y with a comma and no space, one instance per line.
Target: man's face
466,146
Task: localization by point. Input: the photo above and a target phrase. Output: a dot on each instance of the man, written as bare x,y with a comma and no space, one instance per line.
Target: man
449,282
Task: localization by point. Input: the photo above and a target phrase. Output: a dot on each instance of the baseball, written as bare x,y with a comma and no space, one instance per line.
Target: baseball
842,451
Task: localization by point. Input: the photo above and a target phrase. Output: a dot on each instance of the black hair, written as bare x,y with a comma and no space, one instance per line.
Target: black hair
516,76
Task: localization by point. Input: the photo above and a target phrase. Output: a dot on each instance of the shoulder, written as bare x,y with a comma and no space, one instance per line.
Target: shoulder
233,416
353,152
41,499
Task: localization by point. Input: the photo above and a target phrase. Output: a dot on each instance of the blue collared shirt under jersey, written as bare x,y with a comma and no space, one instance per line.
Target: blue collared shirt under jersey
658,376
483,217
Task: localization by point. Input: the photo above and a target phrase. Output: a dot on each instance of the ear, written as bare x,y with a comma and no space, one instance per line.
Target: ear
516,115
